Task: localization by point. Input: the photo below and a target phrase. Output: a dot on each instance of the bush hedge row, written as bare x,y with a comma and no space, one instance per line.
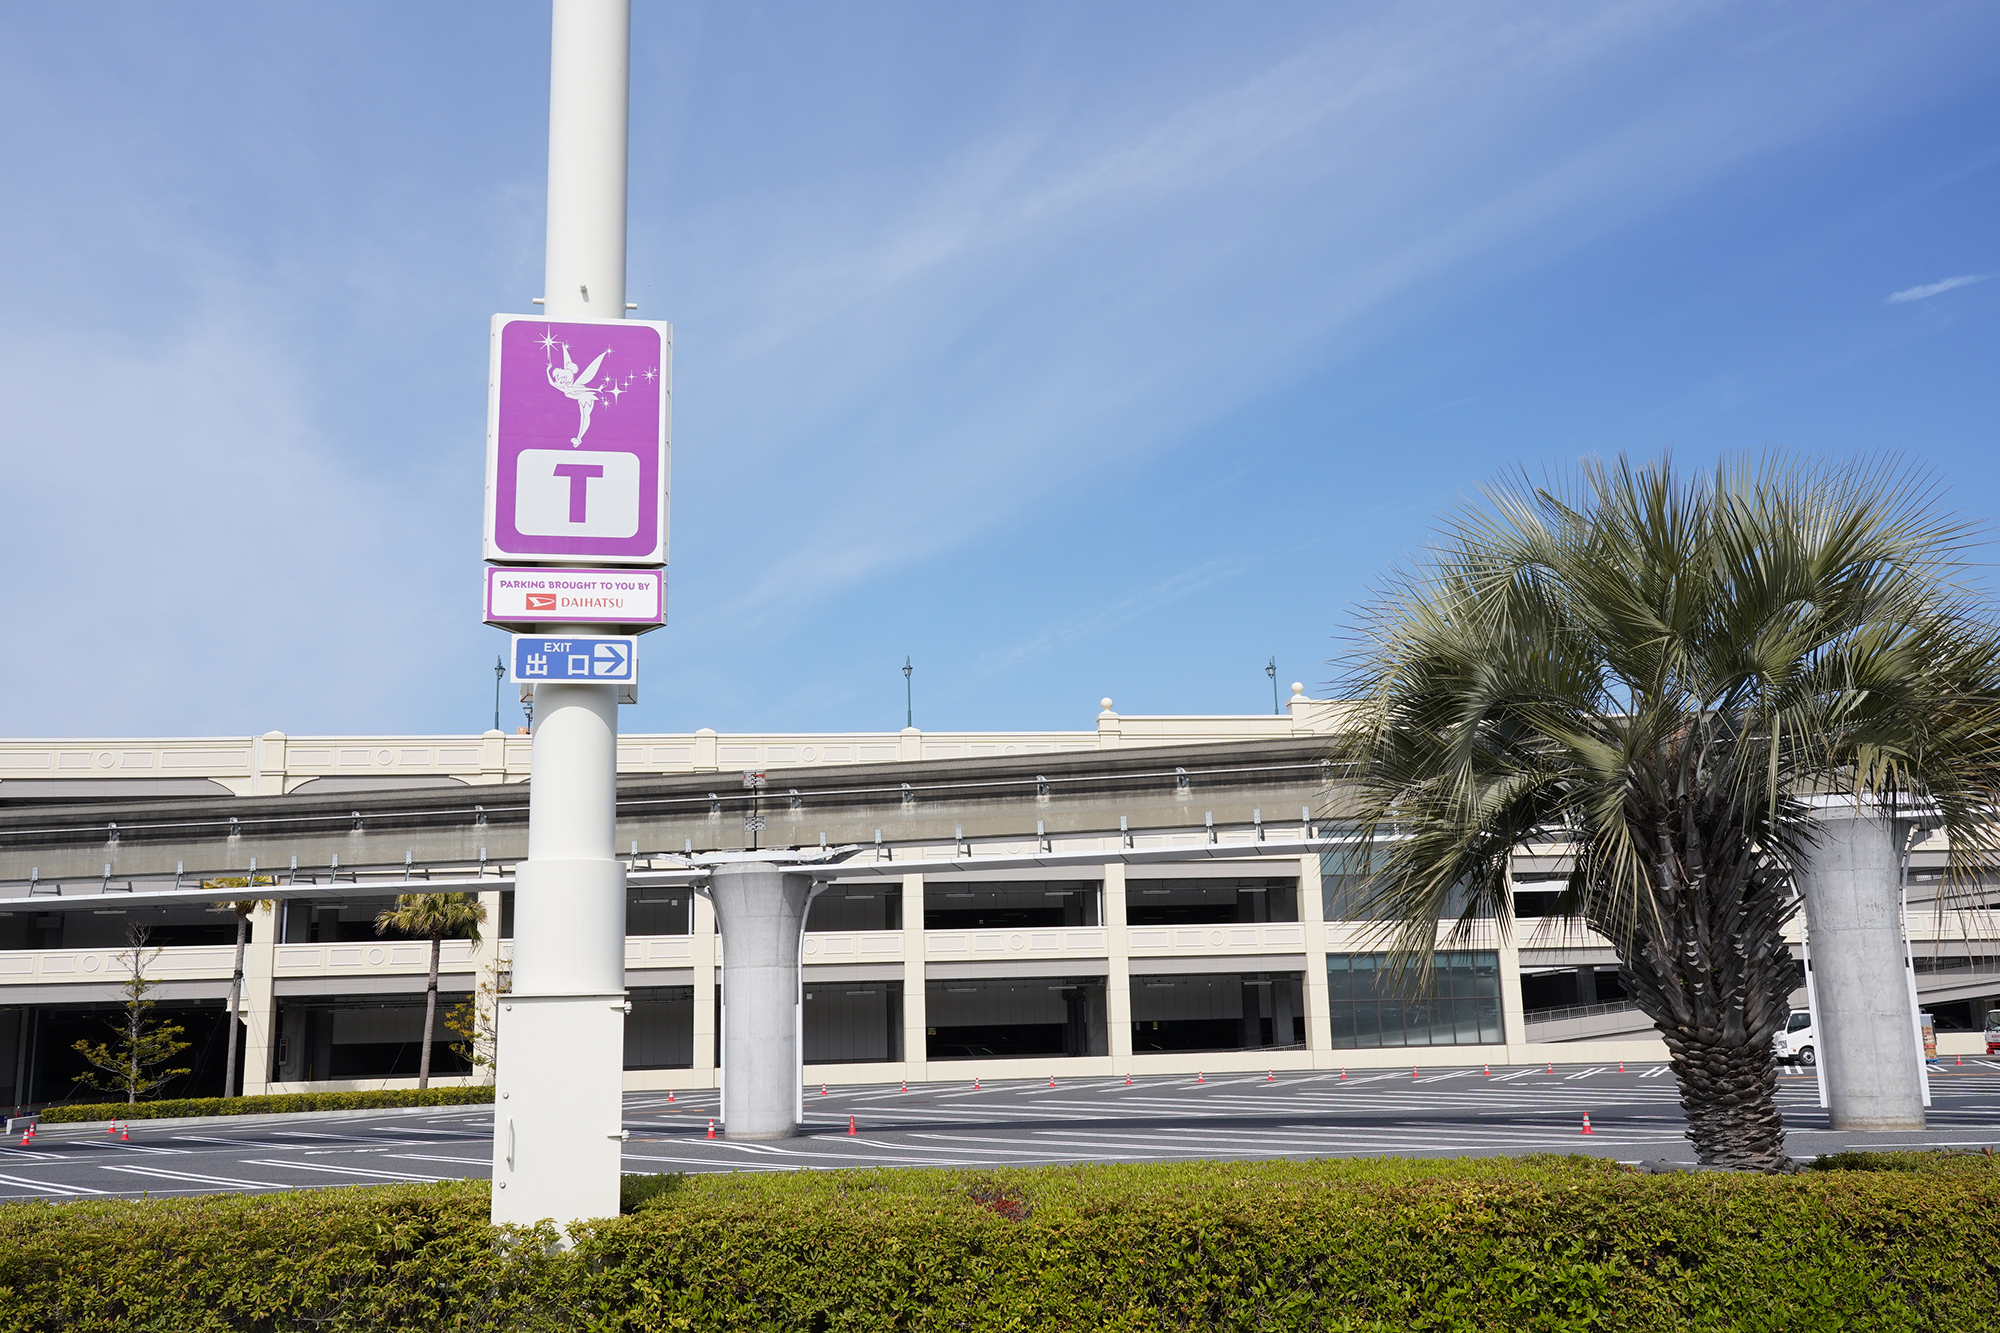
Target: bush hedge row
1548,1244
267,1105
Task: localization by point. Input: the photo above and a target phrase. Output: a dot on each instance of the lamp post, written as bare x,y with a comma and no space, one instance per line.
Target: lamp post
499,675
1271,670
909,707
558,1105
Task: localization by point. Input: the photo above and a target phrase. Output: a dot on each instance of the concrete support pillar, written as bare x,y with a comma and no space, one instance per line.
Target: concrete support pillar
1312,904
488,962
705,953
1118,972
1513,1010
1867,1034
761,911
916,1015
260,1006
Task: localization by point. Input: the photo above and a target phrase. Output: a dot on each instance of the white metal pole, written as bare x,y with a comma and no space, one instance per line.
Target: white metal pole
557,1115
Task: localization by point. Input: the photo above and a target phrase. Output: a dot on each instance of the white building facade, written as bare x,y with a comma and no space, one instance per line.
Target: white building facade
1178,958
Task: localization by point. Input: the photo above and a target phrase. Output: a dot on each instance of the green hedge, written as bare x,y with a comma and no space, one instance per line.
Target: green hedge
1553,1244
275,1104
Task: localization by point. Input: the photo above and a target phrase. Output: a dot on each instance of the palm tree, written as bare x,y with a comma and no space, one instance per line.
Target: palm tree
1660,672
435,915
242,907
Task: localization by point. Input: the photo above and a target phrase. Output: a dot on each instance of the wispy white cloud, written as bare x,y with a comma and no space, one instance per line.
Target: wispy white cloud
1027,317
1930,289
1108,616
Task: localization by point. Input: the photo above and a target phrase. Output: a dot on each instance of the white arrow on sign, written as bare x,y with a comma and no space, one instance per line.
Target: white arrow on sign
609,659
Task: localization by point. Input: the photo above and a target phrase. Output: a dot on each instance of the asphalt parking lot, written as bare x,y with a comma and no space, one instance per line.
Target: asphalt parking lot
1635,1115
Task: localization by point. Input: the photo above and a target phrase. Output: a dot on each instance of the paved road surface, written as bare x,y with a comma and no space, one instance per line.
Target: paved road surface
1634,1116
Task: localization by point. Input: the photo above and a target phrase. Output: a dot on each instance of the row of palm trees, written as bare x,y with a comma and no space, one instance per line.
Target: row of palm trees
1659,672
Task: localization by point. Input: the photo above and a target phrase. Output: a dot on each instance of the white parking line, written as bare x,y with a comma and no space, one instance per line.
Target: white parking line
185,1177
45,1186
350,1171
424,1157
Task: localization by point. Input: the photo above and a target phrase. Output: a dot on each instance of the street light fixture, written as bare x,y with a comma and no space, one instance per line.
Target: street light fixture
909,706
1271,670
499,675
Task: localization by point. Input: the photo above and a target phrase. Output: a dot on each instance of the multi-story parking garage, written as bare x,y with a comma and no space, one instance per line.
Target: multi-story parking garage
1146,928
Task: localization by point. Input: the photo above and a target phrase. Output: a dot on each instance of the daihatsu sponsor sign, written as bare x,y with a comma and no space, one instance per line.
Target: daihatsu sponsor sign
625,597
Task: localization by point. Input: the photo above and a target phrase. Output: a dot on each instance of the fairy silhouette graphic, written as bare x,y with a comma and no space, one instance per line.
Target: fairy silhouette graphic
577,387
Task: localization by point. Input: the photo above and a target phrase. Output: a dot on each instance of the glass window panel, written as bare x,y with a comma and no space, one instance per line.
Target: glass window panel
1467,1021
1370,1006
1486,974
1444,1022
1489,1022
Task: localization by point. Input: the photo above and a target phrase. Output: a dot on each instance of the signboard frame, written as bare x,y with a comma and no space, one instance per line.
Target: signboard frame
563,651
510,604
594,393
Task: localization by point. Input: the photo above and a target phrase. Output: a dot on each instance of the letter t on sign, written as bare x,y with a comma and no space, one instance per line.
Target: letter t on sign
579,475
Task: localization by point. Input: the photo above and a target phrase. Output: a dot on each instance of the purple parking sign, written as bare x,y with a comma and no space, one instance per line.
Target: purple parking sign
576,440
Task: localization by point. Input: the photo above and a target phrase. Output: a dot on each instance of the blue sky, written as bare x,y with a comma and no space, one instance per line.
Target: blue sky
1071,350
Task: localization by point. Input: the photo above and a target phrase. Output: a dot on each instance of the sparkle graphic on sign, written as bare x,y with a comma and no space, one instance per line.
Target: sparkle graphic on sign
651,374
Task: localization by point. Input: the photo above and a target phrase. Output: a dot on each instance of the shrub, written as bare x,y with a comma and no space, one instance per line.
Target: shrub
275,1104
1549,1244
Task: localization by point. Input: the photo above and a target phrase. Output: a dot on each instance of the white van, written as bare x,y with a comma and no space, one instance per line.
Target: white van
1796,1042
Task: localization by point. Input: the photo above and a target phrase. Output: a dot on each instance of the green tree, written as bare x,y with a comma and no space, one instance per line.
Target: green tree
242,907
475,1021
432,915
1659,671
133,1065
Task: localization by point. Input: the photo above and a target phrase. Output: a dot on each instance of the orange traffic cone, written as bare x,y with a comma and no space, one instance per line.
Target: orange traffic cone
850,1126
1343,1073
1621,1066
822,1089
1552,1066
1486,1070
906,1085
1198,1078
1586,1122
1128,1080
1271,1076
670,1094
124,1133
1413,1073
711,1127
975,1083
1052,1080
1961,1059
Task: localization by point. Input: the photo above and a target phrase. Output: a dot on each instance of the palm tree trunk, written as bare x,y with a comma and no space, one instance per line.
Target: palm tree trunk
235,1004
430,1014
1711,968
